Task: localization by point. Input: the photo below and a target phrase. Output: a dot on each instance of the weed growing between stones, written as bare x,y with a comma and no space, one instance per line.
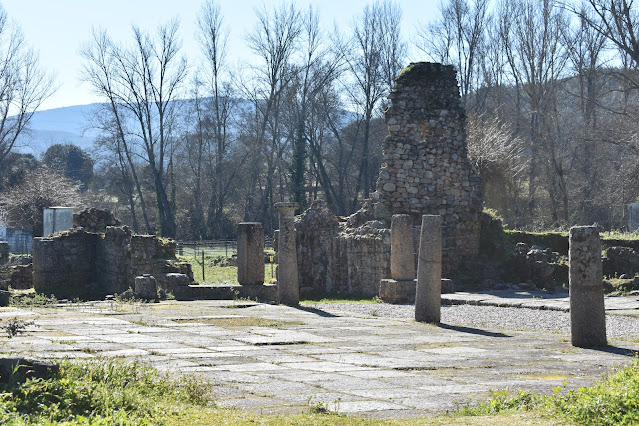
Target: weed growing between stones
611,400
32,299
321,407
16,326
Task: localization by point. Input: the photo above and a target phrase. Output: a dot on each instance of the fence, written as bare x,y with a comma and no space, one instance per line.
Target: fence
226,248
204,256
20,240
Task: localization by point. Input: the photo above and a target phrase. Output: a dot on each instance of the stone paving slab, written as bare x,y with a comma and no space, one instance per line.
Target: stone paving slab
368,366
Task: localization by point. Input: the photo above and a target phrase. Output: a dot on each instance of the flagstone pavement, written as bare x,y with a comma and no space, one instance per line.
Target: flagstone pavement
366,359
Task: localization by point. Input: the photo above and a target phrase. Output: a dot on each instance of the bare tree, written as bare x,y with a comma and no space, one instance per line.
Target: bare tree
371,56
23,205
146,81
618,21
23,84
456,38
275,40
531,31
213,37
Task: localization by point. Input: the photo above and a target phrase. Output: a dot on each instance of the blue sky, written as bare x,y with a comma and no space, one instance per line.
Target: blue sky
57,28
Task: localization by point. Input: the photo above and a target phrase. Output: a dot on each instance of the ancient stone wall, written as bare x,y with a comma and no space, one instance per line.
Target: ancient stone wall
334,257
89,265
425,170
65,265
113,267
425,167
94,220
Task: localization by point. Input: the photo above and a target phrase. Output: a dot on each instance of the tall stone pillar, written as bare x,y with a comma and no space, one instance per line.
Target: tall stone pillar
587,310
402,257
288,290
400,288
428,294
250,253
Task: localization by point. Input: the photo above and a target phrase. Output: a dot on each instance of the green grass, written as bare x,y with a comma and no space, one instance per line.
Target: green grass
340,298
215,272
240,322
101,392
29,298
115,392
612,400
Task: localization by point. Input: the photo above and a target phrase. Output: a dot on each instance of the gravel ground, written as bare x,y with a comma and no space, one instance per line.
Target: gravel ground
488,317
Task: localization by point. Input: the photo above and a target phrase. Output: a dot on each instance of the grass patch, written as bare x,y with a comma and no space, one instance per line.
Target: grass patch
612,400
115,392
102,393
340,298
29,298
217,271
240,322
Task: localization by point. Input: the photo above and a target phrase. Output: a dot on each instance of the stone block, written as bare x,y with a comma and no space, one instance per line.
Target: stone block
429,271
146,287
397,291
4,252
171,281
447,286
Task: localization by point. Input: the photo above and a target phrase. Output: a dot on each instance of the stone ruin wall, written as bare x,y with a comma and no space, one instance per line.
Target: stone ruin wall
334,257
425,167
91,264
425,170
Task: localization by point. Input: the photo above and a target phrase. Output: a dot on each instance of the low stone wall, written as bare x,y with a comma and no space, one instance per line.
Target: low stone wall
64,265
336,258
89,265
21,277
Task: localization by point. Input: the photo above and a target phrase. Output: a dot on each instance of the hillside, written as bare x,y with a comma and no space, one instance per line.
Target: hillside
59,125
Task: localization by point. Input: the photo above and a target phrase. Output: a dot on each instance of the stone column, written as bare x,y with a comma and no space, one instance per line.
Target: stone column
400,288
288,290
402,256
587,310
428,294
250,253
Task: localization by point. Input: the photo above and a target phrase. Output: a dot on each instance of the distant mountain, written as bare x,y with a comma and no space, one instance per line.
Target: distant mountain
59,125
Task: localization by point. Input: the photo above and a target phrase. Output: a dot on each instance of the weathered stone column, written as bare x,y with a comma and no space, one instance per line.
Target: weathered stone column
402,257
428,294
288,289
250,253
400,288
587,310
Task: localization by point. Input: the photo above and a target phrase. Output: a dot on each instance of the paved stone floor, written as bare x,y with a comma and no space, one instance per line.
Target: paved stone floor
275,359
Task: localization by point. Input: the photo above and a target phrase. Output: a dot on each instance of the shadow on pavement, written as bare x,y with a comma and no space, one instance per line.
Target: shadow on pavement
316,311
471,330
617,350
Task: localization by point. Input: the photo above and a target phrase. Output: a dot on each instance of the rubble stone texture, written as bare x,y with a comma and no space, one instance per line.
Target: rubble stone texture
429,271
425,170
89,265
94,220
587,310
288,289
425,167
4,252
250,253
146,287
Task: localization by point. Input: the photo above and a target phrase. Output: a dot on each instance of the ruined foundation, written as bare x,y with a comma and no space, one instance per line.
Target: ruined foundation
425,171
90,265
